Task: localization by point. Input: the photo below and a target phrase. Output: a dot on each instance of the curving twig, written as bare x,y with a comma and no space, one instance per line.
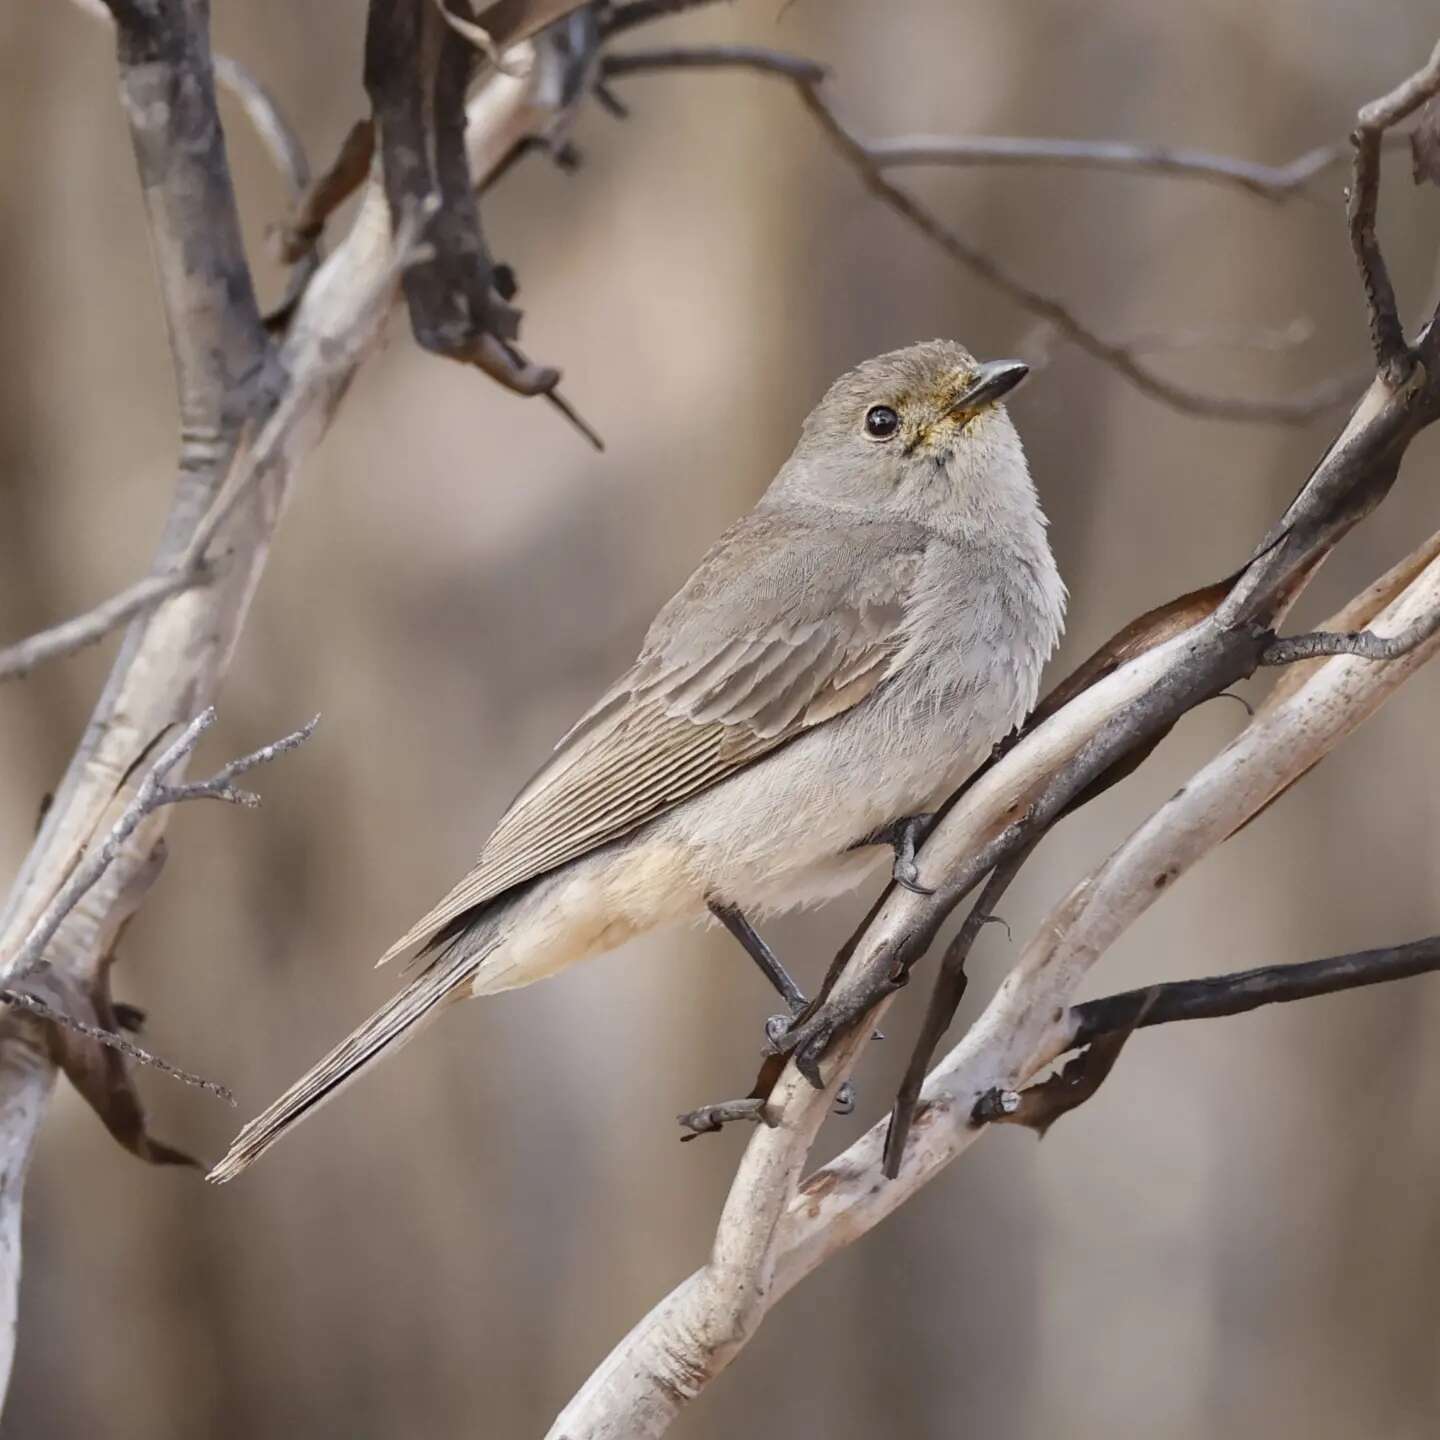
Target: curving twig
1387,333
1268,182
869,163
153,793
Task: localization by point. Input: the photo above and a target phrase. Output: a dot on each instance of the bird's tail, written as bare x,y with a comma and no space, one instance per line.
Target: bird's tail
449,976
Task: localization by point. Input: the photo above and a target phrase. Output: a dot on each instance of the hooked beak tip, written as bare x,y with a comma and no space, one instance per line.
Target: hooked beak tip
993,380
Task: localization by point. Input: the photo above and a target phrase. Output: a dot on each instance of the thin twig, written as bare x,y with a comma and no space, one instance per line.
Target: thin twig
280,138
94,625
152,794
1387,333
23,1000
1364,643
713,57
1269,182
806,76
944,1001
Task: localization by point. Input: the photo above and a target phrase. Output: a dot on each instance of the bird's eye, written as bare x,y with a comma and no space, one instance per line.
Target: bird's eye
881,422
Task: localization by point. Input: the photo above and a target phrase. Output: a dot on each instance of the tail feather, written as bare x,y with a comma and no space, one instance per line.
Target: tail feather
388,1028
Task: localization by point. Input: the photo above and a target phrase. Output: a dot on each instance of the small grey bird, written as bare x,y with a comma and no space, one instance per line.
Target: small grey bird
841,660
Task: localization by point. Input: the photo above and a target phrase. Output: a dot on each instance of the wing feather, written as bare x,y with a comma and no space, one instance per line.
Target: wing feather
700,703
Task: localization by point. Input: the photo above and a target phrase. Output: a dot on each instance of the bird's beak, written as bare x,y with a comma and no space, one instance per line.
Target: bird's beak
993,379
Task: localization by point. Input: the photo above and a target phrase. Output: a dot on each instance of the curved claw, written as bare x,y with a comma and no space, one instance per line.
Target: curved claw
907,873
776,1028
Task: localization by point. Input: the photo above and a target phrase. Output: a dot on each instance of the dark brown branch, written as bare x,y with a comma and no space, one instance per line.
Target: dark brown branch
1245,990
300,232
713,57
417,69
945,999
1040,1105
1124,359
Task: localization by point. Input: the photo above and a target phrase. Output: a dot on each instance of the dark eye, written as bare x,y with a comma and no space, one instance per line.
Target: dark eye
881,422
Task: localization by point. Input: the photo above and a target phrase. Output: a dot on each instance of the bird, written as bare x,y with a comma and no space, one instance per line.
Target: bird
840,661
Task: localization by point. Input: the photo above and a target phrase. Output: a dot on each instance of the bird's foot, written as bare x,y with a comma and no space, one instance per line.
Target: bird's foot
904,836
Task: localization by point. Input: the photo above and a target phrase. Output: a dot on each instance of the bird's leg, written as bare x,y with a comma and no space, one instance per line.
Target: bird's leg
903,836
733,919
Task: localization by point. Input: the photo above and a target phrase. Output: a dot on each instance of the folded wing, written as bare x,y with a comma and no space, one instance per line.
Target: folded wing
773,635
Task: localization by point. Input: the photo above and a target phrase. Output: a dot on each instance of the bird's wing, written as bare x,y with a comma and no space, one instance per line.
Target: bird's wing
774,634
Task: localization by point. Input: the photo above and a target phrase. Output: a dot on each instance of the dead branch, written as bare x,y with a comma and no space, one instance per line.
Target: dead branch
1238,993
869,163
1268,182
1363,643
1387,334
152,793
18,660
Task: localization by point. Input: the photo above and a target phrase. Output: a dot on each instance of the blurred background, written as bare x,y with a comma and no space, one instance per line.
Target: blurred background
1239,1236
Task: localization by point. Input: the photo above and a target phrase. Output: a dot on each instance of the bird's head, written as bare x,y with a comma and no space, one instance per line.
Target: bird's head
916,427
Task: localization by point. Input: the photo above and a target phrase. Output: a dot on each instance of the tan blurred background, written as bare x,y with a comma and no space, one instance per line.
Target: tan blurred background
1239,1237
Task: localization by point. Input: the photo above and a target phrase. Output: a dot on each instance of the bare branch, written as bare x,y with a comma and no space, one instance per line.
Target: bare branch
713,57
152,794
1268,182
1125,360
1245,990
279,137
1364,643
43,1010
1387,332
944,1001
94,625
